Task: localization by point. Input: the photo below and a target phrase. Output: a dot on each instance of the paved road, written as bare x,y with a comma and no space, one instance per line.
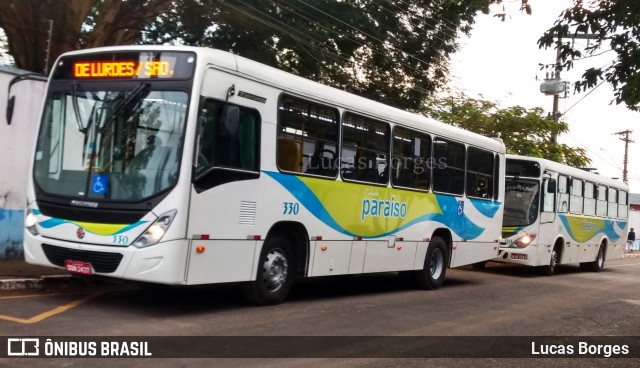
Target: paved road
502,300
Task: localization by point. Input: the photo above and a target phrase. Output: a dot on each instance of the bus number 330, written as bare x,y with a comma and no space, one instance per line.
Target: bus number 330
290,208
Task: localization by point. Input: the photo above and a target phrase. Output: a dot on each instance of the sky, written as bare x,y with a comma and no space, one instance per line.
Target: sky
500,61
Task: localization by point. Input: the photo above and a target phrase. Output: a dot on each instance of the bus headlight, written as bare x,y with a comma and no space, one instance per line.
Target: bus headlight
30,222
524,241
156,231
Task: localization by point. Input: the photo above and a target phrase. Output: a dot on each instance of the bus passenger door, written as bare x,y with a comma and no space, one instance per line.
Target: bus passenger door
548,212
548,228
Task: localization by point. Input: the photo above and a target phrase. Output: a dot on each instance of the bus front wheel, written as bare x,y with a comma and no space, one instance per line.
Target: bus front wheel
553,262
274,277
432,275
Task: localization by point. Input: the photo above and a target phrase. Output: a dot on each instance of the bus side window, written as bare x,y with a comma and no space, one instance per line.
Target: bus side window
411,160
622,205
480,173
365,149
612,198
307,137
601,202
449,168
496,177
576,196
589,199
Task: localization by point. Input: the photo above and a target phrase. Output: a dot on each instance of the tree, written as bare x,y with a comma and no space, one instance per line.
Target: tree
393,52
26,24
615,23
524,131
390,51
5,58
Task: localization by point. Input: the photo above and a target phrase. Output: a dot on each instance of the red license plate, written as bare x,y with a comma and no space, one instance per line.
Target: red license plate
82,268
518,256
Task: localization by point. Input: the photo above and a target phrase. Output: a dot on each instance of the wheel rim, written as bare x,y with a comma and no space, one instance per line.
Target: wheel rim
436,263
554,260
600,258
275,270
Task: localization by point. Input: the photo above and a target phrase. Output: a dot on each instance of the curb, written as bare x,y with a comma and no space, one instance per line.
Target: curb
35,283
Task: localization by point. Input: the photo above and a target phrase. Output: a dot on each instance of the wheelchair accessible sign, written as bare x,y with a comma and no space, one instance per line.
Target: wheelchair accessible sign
99,184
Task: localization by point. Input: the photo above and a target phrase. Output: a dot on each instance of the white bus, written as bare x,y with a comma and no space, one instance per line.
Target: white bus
556,214
184,166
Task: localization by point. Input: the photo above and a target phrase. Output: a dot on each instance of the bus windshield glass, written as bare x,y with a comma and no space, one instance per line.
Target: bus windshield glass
119,144
521,202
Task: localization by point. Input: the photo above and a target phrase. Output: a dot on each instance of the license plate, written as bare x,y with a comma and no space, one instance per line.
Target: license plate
518,256
81,268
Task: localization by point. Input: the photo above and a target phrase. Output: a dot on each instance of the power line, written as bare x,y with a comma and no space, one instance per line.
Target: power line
288,30
319,22
365,33
583,97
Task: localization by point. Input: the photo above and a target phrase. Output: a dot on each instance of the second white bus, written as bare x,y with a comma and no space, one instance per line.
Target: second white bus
556,214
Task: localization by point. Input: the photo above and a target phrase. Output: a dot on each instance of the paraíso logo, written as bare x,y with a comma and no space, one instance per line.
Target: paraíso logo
372,207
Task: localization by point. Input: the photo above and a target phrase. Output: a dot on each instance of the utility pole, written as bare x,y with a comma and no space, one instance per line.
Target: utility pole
624,136
553,85
48,51
555,112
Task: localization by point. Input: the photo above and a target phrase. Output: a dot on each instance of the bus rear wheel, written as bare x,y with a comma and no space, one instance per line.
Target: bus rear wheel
598,264
431,277
274,277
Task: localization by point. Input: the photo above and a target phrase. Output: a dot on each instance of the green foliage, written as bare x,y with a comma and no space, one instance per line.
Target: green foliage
616,27
395,52
524,131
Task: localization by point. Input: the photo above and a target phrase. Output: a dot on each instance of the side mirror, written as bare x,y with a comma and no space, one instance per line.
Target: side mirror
551,186
230,120
11,102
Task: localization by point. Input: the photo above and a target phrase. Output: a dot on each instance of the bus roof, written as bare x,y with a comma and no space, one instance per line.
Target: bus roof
322,93
571,171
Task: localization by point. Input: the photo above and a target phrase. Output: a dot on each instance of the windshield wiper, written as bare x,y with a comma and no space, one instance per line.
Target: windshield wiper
133,96
76,108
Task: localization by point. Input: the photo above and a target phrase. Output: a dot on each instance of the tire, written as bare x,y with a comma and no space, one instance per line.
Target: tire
432,275
479,265
598,264
553,262
274,277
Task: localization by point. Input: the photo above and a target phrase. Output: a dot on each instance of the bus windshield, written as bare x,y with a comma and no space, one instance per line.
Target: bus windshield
110,144
521,202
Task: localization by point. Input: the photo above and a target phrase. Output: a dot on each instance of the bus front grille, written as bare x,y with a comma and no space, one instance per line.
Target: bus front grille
103,262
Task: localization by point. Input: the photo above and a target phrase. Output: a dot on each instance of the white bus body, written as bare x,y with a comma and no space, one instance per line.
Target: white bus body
262,174
556,214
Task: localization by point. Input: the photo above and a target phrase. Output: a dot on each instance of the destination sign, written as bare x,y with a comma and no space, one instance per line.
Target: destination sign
123,69
166,65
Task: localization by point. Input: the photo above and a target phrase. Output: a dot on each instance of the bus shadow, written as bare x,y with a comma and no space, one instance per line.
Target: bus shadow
176,300
361,285
514,270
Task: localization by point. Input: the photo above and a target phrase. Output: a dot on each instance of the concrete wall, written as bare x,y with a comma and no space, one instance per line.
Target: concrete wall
16,146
